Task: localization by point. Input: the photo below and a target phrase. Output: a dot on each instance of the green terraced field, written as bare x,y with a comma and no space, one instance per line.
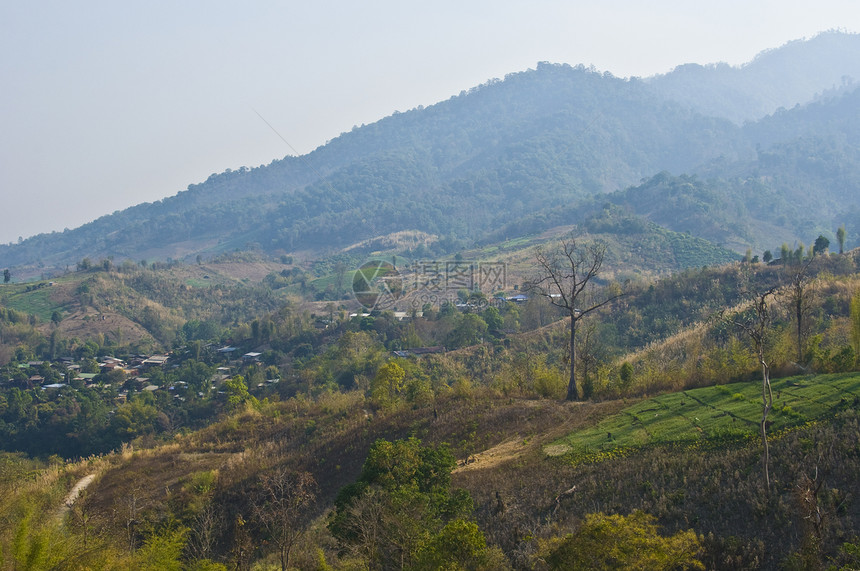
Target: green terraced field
719,412
37,302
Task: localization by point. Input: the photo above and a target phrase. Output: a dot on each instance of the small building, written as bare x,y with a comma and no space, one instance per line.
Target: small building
108,367
154,361
428,350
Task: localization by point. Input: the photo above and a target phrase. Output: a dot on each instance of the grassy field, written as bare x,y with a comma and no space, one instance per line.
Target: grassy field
723,412
199,282
37,302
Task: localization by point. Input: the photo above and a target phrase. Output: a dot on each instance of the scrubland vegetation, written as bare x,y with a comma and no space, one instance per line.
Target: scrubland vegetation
468,458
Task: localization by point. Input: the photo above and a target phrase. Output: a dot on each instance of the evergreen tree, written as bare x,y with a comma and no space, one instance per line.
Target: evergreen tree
820,246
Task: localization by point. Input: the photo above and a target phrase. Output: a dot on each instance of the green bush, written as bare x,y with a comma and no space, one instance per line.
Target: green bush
624,542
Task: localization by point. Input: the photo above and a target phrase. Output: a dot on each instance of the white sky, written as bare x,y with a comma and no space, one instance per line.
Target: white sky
108,104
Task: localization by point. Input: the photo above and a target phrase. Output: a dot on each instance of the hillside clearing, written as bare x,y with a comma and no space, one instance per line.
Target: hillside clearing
722,412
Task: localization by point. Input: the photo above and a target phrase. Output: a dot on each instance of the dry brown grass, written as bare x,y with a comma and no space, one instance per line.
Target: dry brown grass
238,271
405,239
89,323
520,493
149,476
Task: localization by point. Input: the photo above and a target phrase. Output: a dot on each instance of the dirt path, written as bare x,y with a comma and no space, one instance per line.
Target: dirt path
493,457
75,493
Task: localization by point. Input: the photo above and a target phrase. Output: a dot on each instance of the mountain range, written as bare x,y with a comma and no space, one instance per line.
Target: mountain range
745,157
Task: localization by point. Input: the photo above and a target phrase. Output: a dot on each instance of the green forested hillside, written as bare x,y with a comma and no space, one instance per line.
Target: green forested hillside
498,152
803,181
535,142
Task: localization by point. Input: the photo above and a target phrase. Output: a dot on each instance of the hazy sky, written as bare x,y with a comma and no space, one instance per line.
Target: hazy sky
109,104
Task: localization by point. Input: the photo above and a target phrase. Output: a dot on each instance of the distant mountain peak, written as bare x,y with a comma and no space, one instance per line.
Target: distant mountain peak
524,152
794,73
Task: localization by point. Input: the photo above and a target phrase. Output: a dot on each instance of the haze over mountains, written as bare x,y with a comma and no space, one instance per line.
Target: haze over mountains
744,157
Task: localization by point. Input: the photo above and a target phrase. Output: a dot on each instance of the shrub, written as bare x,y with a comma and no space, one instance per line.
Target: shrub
624,542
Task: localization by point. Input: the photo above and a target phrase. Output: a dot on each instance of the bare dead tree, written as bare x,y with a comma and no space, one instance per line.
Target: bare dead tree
807,491
283,507
566,277
366,516
243,546
755,322
127,512
204,530
810,491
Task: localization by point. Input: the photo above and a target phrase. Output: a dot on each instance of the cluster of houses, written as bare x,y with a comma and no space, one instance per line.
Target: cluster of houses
58,374
135,368
66,368
497,301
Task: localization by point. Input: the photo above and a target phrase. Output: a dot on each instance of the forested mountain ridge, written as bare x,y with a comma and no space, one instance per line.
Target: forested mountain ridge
461,169
501,150
802,180
791,75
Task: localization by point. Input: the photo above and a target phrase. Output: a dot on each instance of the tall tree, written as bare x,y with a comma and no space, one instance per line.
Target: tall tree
785,254
821,245
798,253
840,237
387,384
401,499
800,294
7,276
283,507
566,277
755,321
592,352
